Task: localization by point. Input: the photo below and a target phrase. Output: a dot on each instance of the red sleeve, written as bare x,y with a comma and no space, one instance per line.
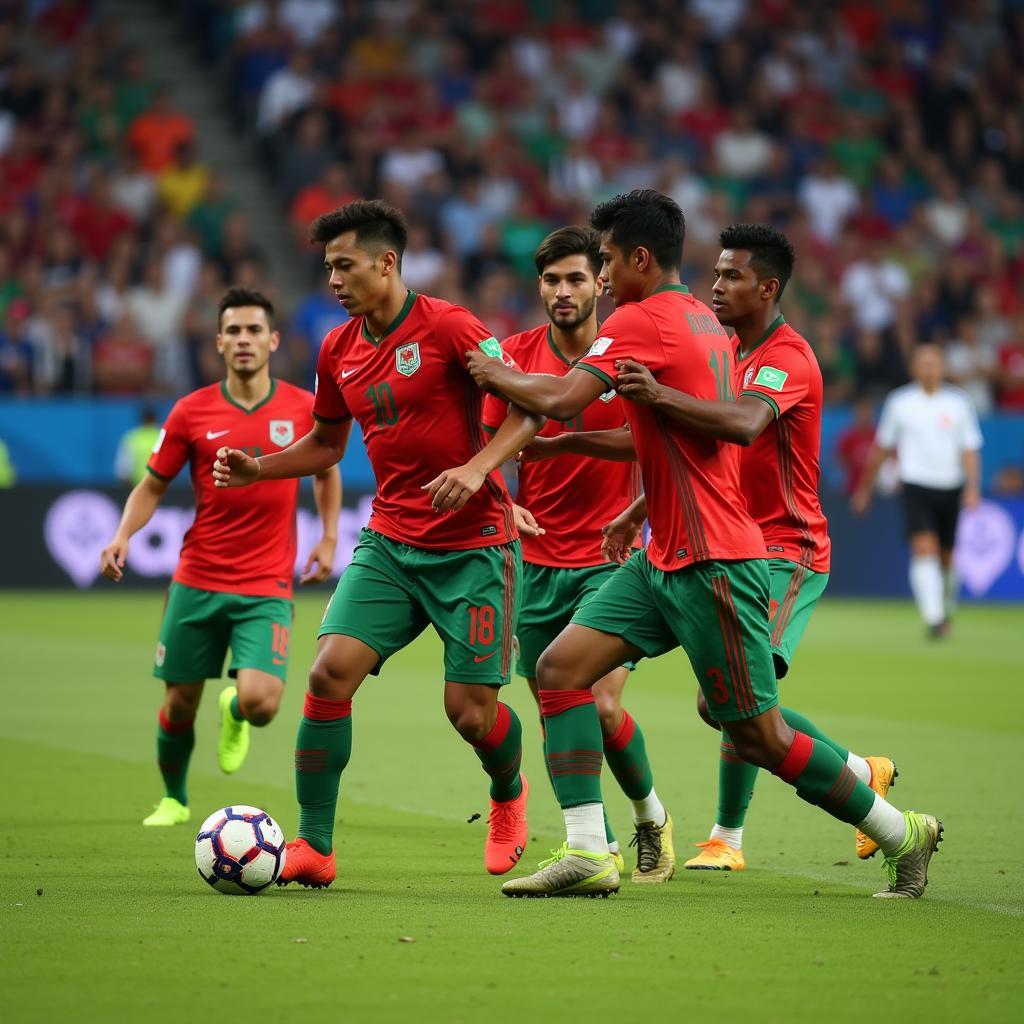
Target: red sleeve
328,405
459,331
627,334
781,378
173,447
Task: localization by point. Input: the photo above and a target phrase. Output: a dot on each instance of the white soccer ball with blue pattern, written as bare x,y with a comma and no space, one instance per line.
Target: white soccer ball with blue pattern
240,850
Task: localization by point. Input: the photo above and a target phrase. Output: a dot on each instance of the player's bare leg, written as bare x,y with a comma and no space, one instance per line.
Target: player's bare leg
174,743
567,670
493,730
254,700
322,750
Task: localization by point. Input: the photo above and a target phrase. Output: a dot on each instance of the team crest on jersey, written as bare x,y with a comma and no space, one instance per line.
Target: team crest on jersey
747,376
407,359
282,432
607,396
160,656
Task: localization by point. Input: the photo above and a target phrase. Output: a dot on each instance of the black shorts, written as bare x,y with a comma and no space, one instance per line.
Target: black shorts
932,510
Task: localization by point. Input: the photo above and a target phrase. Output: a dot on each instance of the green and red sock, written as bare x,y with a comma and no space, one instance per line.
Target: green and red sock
174,743
736,779
322,750
573,745
626,754
501,754
821,777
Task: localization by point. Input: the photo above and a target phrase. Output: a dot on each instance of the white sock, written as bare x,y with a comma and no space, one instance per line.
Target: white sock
926,585
951,590
649,809
613,846
859,767
732,836
584,828
886,825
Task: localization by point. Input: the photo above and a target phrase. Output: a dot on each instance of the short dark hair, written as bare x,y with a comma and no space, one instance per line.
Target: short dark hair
771,253
235,297
378,225
644,217
576,240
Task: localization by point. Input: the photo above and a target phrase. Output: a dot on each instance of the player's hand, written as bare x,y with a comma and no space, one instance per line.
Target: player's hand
453,488
635,382
860,502
525,523
972,497
322,556
541,448
618,537
112,559
233,468
481,367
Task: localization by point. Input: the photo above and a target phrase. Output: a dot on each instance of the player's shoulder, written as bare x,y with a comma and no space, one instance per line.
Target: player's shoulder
956,394
788,339
337,339
201,398
523,343
904,395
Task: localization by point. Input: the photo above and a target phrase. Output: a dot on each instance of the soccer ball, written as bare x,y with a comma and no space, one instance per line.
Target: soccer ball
240,850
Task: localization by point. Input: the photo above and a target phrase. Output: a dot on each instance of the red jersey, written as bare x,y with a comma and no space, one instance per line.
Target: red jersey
419,410
572,496
242,540
779,472
694,503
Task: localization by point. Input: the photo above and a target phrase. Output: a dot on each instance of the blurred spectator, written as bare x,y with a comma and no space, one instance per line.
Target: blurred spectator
829,199
872,287
181,185
853,445
285,92
422,263
970,365
1011,369
155,314
15,351
135,448
158,132
332,190
122,360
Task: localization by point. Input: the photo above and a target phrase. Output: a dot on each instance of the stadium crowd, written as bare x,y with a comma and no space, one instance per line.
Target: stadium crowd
886,139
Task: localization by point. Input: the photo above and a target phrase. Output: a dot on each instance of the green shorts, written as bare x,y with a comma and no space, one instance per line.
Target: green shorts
716,611
550,597
391,591
199,626
794,591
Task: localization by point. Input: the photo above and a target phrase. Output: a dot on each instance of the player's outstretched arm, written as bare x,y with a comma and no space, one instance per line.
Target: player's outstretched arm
611,445
560,398
740,421
138,510
317,451
619,535
327,495
450,490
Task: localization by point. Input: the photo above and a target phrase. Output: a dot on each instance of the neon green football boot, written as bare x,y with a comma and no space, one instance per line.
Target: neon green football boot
233,744
168,812
907,869
568,873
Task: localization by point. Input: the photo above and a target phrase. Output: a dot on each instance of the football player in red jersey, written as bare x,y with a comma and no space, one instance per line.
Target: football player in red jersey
568,501
441,547
702,583
233,583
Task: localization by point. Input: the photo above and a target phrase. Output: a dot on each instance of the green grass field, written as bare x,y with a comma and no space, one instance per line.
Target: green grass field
101,919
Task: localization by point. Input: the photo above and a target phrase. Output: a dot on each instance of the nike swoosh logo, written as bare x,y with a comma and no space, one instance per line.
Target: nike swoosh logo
212,434
478,658
278,661
348,373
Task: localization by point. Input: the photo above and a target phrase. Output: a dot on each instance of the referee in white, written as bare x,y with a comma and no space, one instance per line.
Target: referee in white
933,429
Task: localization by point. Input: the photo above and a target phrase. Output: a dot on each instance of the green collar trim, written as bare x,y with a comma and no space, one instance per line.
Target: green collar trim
394,325
259,405
681,288
775,325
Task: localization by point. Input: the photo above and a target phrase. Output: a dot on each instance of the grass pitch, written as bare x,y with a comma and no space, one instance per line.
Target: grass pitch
101,919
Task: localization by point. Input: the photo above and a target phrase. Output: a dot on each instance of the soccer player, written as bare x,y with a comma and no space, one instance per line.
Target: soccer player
571,499
233,583
702,582
776,418
932,427
441,546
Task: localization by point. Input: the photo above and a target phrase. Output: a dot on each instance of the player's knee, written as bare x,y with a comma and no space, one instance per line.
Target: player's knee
554,672
329,681
260,710
609,711
182,702
705,714
471,721
765,745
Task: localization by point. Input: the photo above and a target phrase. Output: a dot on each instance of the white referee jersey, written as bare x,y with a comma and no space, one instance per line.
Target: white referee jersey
930,434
